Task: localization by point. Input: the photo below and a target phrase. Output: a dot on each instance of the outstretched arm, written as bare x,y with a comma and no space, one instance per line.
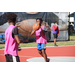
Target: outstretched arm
32,32
19,41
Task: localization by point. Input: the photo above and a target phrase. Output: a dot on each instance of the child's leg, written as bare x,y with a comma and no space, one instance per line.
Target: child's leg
44,55
43,46
54,40
40,52
39,49
9,58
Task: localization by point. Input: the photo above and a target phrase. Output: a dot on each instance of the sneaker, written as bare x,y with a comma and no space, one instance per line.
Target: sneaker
55,45
48,59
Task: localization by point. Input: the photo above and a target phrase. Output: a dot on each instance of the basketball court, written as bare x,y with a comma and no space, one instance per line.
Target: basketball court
56,54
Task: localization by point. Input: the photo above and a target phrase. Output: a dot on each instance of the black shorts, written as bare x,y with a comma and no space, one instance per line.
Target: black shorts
10,58
55,35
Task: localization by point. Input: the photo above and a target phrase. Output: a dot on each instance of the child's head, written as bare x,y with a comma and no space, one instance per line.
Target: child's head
12,18
39,21
55,22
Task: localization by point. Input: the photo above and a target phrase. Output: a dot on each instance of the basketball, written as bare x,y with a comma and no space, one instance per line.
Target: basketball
36,27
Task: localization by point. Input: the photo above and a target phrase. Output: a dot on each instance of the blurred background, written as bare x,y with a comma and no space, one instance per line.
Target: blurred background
65,23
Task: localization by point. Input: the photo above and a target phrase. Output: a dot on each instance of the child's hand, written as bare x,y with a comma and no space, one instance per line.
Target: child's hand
57,34
17,24
41,27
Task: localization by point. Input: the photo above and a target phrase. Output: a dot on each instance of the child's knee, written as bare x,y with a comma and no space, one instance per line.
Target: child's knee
39,52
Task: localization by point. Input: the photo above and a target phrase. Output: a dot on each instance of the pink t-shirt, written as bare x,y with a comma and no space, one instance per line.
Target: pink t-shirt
40,37
11,45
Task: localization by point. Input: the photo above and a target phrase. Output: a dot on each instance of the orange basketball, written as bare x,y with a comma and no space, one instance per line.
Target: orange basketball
36,27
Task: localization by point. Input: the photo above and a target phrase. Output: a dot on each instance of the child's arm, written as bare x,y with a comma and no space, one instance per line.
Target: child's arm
44,29
58,32
54,28
18,40
15,35
32,32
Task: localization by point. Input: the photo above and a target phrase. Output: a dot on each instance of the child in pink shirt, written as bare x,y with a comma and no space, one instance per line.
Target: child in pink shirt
12,40
41,39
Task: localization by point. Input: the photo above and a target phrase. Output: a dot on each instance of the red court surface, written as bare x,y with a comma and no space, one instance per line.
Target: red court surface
27,53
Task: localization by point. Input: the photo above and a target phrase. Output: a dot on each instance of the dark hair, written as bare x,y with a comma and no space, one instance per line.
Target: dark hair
39,19
12,17
55,22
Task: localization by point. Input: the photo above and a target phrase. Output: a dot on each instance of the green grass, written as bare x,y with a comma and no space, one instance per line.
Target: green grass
2,46
72,38
33,44
28,44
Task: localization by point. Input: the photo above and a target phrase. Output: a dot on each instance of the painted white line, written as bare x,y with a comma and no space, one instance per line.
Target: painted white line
49,46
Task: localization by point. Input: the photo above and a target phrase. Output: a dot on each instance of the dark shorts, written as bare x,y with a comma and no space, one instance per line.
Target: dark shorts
10,58
55,35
